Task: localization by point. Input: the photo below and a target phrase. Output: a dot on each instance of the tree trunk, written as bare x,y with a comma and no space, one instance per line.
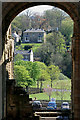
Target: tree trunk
37,84
41,87
49,97
51,83
27,89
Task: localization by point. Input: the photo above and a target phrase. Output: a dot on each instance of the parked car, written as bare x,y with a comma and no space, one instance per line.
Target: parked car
62,118
65,105
51,105
36,105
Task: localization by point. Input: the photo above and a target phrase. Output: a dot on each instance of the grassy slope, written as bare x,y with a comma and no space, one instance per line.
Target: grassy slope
64,84
57,96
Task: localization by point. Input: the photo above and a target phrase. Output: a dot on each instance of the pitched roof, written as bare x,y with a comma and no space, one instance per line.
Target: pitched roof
22,52
34,30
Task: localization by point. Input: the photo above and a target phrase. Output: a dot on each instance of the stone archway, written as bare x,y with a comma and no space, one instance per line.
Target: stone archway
11,9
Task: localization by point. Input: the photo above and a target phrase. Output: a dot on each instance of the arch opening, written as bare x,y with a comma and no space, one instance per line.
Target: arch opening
67,8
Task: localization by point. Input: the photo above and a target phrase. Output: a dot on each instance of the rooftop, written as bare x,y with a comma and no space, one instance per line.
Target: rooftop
34,30
22,52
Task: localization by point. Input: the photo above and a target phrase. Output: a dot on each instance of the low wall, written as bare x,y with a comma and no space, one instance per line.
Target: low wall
33,90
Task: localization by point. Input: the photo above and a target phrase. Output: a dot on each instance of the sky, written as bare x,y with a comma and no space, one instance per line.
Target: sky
39,9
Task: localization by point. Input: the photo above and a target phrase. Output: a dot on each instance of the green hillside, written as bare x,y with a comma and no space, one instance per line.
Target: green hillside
65,84
28,46
57,84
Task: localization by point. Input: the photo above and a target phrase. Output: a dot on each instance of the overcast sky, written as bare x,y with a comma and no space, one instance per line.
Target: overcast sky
39,9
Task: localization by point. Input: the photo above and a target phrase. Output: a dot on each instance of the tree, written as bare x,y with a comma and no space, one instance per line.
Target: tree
54,72
56,59
38,21
62,90
67,64
63,77
56,39
55,17
35,72
22,76
27,64
44,52
44,75
32,68
67,29
16,23
48,91
23,21
18,57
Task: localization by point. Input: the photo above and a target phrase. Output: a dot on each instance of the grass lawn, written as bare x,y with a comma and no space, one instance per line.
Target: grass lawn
56,95
58,84
33,45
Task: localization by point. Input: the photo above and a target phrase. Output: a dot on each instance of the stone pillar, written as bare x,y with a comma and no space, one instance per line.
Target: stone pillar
0,60
44,37
76,71
31,56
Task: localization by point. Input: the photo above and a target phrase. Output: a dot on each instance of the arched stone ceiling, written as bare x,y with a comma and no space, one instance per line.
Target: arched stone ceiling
11,9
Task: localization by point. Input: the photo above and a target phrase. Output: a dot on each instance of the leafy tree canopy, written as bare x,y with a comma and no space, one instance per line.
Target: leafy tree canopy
67,29
22,76
18,57
44,75
35,72
56,39
54,72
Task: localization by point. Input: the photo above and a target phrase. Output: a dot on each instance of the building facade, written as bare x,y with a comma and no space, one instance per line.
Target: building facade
16,37
33,36
27,55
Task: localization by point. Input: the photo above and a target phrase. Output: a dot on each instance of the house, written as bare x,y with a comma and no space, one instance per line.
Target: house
28,55
33,36
15,36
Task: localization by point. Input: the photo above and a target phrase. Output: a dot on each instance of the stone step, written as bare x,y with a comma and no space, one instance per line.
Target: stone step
48,114
48,118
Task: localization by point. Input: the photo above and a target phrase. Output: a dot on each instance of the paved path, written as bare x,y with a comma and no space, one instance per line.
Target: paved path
61,90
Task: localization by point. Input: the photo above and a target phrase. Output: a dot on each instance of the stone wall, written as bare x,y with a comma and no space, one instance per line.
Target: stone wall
18,106
11,9
9,53
33,90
